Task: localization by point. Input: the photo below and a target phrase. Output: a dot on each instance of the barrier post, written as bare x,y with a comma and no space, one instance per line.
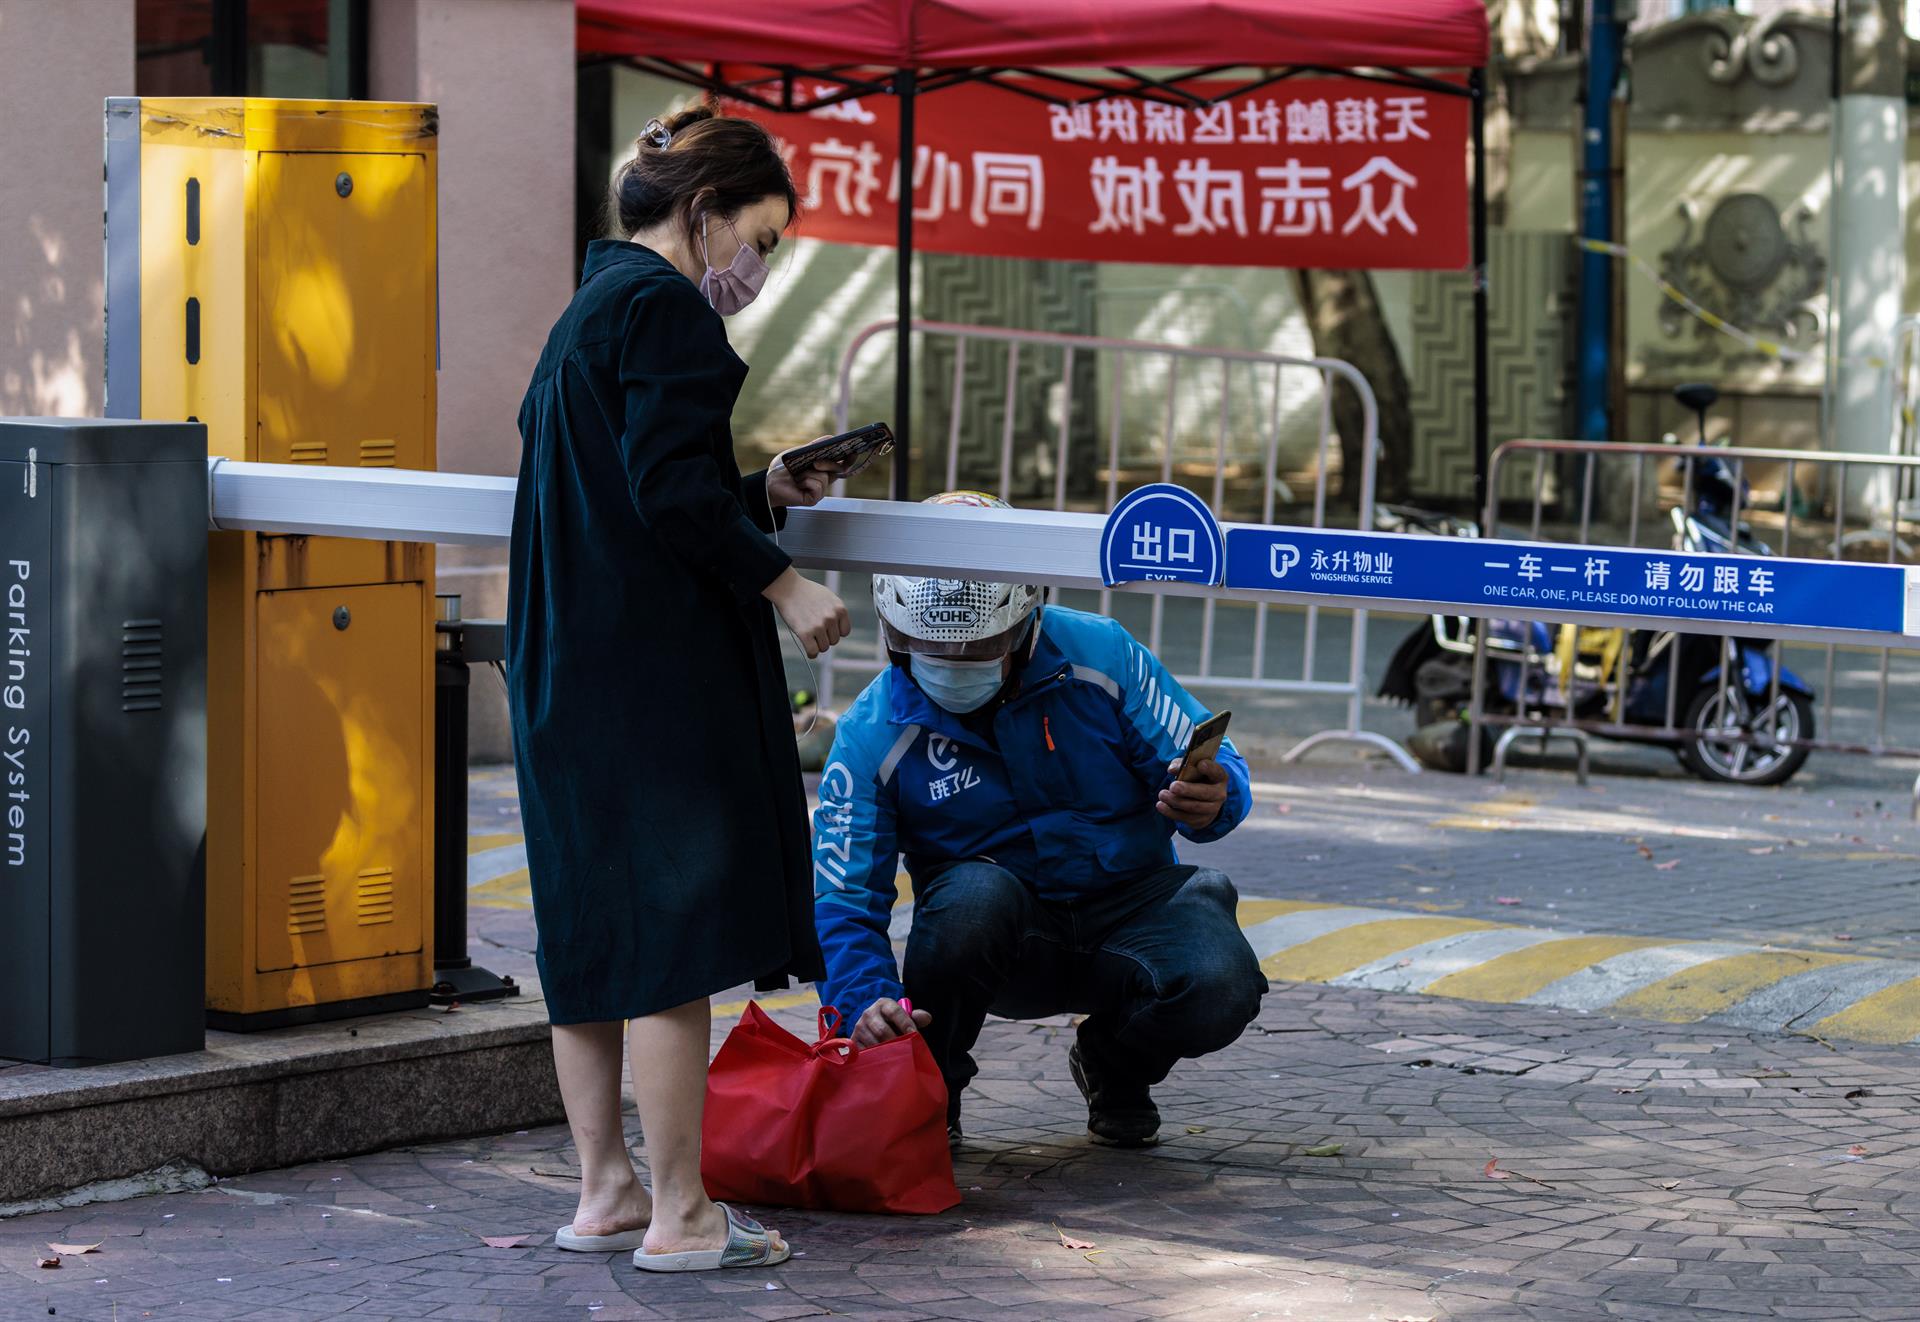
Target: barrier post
455,978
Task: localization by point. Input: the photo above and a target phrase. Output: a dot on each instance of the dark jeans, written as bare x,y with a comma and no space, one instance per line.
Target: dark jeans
1160,968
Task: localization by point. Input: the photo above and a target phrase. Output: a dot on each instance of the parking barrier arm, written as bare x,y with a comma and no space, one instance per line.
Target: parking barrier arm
1048,547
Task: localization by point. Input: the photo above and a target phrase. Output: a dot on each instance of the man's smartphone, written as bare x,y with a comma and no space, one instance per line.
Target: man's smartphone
842,455
1204,743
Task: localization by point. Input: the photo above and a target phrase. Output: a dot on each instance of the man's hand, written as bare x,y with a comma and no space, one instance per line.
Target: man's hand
804,488
885,1020
1196,801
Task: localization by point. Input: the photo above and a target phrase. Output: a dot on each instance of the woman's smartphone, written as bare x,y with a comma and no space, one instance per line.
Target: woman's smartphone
842,455
1205,743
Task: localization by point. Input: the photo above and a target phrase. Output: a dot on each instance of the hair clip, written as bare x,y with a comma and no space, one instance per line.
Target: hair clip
657,133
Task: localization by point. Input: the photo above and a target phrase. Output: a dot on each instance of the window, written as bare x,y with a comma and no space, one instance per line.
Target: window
285,48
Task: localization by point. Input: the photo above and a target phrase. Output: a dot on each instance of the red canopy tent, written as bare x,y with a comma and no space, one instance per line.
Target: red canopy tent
1063,51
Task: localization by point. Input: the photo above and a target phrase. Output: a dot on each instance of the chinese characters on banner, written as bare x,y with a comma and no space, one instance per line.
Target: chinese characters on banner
1329,172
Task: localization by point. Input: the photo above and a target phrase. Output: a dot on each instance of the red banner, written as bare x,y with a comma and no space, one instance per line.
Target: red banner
1328,173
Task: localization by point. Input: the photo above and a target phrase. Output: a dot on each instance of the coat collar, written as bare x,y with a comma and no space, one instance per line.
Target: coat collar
603,253
911,706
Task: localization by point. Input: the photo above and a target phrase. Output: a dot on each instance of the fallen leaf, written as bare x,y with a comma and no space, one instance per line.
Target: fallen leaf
1761,852
1626,1090
554,1172
1325,1150
1070,1242
1667,866
1645,852
1669,1184
46,1262
1857,1151
1196,1129
504,1241
1506,899
1858,1093
1492,1172
1843,936
74,1250
1405,963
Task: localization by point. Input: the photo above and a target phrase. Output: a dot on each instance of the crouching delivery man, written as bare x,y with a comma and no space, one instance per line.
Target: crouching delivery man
1022,759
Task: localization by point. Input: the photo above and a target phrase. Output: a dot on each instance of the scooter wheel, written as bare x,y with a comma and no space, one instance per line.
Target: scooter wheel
1712,712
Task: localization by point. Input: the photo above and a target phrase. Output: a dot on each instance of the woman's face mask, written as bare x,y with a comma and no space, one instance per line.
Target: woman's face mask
959,686
738,283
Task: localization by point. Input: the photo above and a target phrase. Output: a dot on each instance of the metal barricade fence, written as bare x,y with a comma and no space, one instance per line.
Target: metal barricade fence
1905,366
1806,520
1019,344
1061,549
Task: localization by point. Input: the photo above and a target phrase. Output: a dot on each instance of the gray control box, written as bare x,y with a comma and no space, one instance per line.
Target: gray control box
103,782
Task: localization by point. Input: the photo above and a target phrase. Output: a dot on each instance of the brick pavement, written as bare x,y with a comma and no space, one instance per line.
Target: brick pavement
1798,865
1754,908
1660,856
1659,1172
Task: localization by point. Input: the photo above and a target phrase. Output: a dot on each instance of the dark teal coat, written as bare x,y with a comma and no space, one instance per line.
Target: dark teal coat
653,740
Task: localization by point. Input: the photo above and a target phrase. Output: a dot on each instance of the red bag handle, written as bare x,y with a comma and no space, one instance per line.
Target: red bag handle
832,1047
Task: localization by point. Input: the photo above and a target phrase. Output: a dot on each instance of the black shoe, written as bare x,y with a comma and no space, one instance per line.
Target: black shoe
954,1136
1120,1114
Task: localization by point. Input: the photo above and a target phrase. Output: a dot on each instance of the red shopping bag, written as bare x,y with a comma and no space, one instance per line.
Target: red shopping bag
831,1126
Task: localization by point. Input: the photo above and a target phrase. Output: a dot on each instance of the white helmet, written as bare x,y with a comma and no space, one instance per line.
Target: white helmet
959,618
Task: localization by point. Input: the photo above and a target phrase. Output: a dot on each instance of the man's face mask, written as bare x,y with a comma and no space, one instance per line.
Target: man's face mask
959,686
738,284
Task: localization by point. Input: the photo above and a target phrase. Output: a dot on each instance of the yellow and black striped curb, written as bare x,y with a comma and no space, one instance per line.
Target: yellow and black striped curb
1757,988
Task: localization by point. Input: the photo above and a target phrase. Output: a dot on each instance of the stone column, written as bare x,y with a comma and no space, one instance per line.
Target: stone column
502,73
58,64
1869,234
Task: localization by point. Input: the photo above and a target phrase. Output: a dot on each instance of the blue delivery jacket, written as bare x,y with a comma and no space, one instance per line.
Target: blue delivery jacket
1063,796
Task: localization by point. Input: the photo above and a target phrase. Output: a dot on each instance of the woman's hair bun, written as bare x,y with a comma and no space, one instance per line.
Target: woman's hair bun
697,157
687,118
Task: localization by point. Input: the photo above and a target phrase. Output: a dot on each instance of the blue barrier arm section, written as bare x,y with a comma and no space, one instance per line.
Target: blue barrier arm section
1520,578
1749,596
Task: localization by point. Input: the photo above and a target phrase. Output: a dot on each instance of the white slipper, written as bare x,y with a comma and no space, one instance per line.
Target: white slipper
564,1238
749,1244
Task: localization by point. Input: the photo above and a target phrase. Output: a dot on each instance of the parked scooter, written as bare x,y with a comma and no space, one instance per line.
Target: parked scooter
1616,682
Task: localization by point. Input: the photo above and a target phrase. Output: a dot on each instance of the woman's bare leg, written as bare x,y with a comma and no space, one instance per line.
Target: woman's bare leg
587,1059
669,1055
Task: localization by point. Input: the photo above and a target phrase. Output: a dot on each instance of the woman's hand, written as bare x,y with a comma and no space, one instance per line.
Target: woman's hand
817,617
806,487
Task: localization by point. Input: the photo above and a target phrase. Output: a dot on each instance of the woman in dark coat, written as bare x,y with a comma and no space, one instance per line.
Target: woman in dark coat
659,779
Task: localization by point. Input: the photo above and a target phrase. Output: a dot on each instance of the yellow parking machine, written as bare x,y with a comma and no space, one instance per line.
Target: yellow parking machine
271,274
